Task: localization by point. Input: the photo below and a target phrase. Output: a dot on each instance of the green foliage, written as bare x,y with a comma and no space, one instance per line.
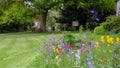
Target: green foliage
80,11
112,22
81,29
116,50
72,39
15,27
14,18
111,25
50,18
14,13
100,30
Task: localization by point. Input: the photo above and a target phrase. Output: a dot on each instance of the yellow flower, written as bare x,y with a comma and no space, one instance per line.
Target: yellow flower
118,39
110,40
57,57
102,37
57,51
102,40
107,36
110,51
97,44
54,49
59,46
108,45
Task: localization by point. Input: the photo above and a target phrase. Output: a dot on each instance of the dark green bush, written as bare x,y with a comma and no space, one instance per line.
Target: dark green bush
15,27
91,25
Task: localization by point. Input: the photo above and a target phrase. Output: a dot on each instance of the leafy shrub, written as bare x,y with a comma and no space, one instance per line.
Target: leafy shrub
100,30
111,25
81,29
112,22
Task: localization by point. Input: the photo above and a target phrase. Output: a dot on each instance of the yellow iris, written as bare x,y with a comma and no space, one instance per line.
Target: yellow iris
54,49
107,36
110,40
118,39
59,46
102,39
57,51
97,44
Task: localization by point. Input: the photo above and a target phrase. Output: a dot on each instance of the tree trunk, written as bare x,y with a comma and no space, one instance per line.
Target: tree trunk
43,18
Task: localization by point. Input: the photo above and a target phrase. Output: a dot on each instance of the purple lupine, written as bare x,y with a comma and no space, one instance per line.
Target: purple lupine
80,45
90,63
62,44
80,51
89,43
87,49
50,47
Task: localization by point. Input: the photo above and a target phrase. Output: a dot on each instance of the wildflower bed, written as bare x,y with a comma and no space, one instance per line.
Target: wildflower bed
79,51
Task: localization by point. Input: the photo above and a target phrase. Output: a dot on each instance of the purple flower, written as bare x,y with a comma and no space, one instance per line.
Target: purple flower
89,43
90,63
61,43
87,49
80,45
50,47
68,46
80,51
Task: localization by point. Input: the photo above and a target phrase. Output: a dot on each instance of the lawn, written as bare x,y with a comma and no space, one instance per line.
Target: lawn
19,49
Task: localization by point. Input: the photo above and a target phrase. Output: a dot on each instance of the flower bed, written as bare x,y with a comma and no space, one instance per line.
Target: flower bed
70,53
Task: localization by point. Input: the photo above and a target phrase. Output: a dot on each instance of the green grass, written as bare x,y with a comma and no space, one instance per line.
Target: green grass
17,50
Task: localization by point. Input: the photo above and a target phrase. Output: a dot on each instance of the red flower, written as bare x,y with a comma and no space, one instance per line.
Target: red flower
105,61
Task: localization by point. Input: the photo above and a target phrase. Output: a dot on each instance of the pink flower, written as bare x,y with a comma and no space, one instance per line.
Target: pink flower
68,46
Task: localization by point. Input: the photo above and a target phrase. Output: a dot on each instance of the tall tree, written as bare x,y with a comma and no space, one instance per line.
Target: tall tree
40,8
12,11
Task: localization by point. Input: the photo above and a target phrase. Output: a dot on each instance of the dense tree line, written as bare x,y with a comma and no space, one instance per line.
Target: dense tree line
26,11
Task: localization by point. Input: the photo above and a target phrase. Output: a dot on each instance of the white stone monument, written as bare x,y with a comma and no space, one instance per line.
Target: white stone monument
75,23
118,8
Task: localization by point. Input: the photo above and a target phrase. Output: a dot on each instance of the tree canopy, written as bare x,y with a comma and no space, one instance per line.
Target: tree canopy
26,10
87,11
